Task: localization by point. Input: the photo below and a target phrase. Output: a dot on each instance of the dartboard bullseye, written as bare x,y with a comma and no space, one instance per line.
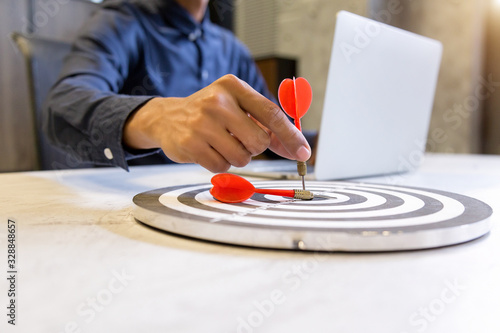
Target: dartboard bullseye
348,217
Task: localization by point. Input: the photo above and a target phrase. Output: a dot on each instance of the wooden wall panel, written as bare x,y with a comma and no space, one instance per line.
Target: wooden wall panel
17,140
49,18
492,70
60,20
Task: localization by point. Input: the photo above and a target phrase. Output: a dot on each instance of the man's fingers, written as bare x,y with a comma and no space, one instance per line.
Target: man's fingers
252,136
212,160
277,147
271,116
229,147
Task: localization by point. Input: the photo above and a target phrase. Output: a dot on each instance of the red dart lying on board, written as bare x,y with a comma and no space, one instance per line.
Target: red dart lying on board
231,188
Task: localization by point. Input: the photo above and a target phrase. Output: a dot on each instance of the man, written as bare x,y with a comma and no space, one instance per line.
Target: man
106,107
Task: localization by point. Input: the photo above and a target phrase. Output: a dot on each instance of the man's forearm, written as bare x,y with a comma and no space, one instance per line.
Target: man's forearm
88,124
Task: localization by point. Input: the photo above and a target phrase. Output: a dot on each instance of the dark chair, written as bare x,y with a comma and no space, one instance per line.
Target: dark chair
44,59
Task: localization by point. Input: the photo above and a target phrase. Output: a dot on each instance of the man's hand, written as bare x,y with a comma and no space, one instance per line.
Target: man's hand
221,125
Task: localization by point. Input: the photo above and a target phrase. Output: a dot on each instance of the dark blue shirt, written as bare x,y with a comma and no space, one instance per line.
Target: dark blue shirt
129,52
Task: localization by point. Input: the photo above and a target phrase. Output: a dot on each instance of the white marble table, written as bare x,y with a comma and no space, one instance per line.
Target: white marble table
85,265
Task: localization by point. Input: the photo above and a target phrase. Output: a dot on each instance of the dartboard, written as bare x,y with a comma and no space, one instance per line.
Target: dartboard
344,216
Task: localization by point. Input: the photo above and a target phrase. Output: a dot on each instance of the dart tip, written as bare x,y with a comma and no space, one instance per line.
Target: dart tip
302,171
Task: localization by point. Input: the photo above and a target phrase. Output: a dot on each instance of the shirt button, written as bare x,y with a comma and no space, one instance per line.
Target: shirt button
108,154
194,35
204,74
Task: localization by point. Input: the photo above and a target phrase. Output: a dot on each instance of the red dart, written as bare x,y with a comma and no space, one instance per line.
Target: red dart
295,97
232,188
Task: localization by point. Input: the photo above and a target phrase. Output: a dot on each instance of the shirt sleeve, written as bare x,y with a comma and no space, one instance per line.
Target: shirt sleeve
84,113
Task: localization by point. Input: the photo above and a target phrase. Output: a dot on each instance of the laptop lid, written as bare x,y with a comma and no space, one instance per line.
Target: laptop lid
379,97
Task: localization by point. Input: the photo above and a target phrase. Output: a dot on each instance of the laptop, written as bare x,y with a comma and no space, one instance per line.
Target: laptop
378,104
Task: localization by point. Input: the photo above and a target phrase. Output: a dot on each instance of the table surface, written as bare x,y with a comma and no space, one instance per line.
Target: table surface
86,265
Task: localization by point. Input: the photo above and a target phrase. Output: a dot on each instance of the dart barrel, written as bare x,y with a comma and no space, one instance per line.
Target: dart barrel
303,195
302,168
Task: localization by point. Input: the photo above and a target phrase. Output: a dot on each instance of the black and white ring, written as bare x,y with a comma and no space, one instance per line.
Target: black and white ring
355,217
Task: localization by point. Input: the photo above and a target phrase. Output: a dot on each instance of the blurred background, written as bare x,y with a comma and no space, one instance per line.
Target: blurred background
290,37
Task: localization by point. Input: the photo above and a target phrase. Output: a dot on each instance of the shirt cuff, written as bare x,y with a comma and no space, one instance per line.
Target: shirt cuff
110,150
